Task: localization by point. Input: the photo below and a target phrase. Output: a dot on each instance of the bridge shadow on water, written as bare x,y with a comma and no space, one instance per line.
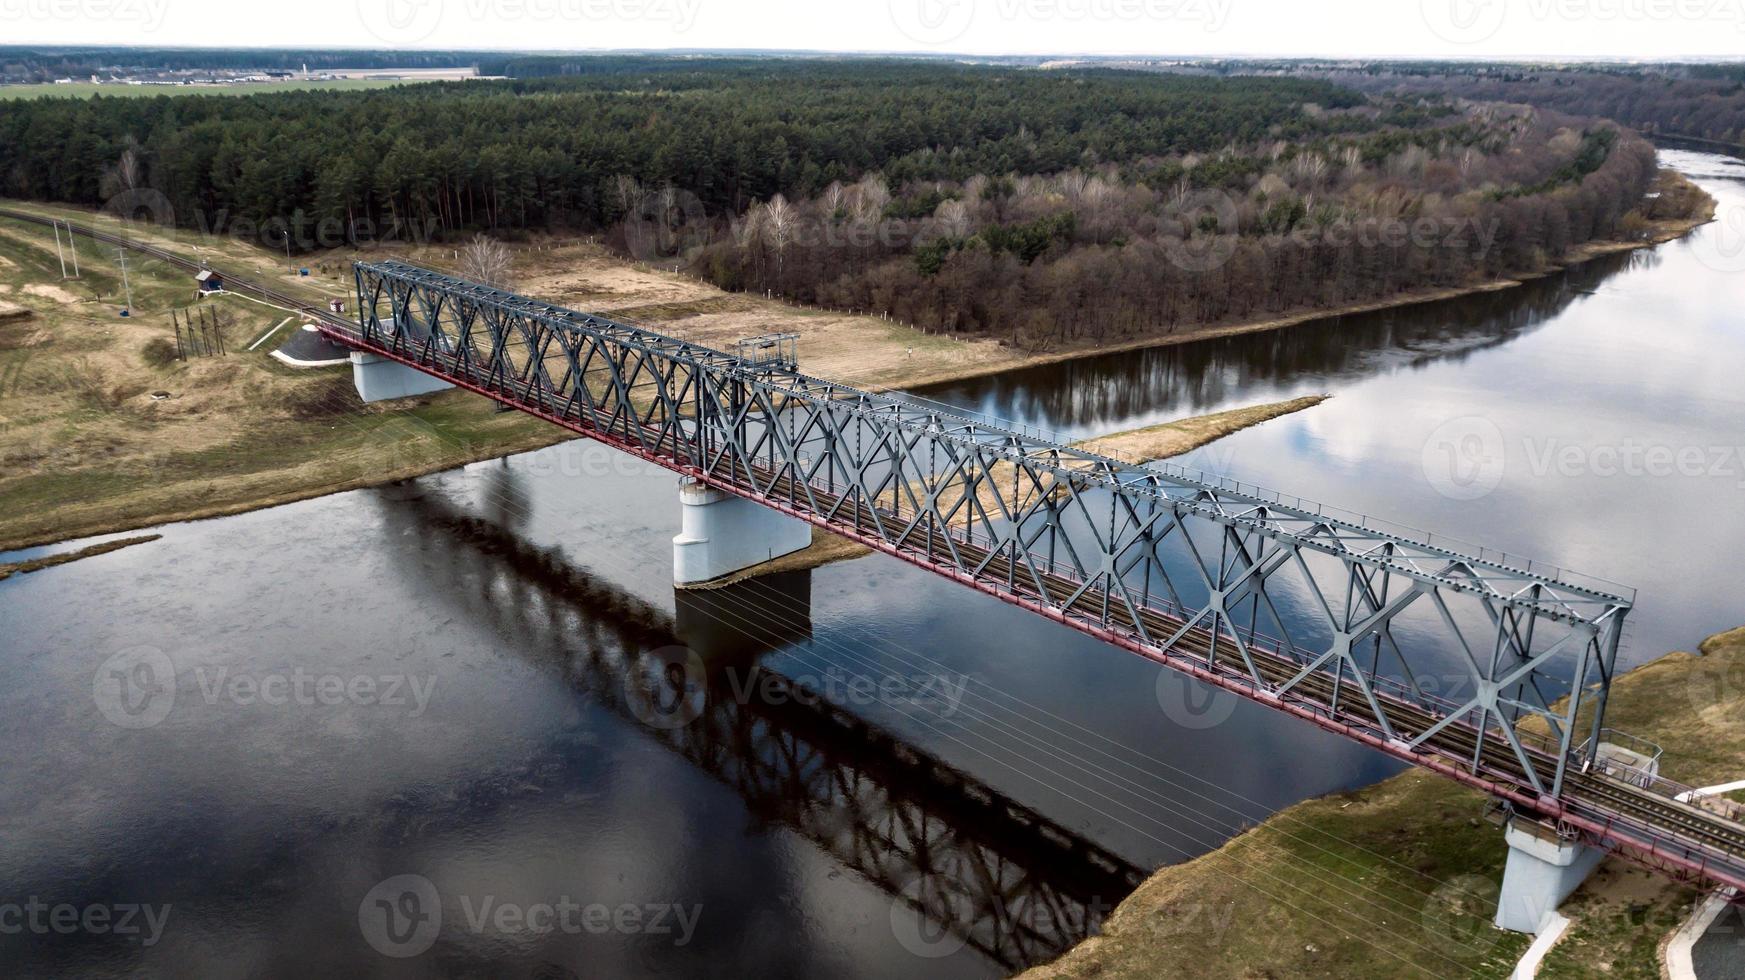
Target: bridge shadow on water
974,866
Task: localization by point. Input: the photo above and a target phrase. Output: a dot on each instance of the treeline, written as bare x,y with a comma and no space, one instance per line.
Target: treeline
1101,253
1712,109
1705,101
39,64
547,153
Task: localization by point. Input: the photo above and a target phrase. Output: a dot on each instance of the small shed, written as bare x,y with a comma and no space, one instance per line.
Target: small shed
209,281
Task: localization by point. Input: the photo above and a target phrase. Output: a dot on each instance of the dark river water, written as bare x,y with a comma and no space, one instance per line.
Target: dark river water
424,730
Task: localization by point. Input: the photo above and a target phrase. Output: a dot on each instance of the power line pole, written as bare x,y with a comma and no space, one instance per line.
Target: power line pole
121,256
73,247
56,225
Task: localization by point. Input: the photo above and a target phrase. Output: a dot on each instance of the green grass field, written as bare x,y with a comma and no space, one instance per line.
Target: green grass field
84,90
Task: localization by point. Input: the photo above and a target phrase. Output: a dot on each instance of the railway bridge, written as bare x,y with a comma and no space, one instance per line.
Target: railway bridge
1474,664
1482,667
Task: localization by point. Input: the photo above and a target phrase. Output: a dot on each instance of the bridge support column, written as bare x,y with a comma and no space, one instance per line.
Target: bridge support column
1541,872
379,379
721,534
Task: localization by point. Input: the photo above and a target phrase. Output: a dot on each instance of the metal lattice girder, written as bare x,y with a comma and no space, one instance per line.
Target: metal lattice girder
1421,646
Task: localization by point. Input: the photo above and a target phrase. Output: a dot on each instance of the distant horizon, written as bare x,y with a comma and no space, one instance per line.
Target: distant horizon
877,53
1560,31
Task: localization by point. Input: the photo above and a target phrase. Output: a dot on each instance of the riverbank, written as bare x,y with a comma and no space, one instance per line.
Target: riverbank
1401,878
87,447
1137,446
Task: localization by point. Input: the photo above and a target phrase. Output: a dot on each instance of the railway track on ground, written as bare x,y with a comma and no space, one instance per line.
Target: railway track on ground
232,283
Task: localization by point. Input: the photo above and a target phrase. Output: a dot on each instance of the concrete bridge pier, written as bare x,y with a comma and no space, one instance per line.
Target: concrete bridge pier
1541,872
721,534
379,379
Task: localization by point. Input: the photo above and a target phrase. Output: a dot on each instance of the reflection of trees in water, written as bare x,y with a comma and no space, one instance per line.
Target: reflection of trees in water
1100,393
1005,879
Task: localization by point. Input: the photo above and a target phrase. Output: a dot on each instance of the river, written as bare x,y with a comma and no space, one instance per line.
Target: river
407,731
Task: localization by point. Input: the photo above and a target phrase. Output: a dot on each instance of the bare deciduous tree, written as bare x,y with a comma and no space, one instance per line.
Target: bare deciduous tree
779,219
488,261
626,193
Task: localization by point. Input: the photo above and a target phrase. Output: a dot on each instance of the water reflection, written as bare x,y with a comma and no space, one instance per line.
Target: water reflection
1131,389
1001,877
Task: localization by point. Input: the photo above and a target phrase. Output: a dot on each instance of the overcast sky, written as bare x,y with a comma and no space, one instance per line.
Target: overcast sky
1642,29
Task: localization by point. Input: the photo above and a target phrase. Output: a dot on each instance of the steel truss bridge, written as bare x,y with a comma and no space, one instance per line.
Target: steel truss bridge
1010,882
1486,669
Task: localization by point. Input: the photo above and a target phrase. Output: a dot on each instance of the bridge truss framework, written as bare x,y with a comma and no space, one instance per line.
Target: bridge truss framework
1488,669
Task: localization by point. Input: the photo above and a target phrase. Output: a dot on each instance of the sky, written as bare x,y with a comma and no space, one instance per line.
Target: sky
1462,29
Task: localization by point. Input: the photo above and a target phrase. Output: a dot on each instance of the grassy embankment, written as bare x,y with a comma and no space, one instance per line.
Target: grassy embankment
1400,879
85,450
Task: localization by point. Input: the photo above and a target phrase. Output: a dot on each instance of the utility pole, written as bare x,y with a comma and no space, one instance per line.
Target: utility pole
56,225
73,247
121,256
289,265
